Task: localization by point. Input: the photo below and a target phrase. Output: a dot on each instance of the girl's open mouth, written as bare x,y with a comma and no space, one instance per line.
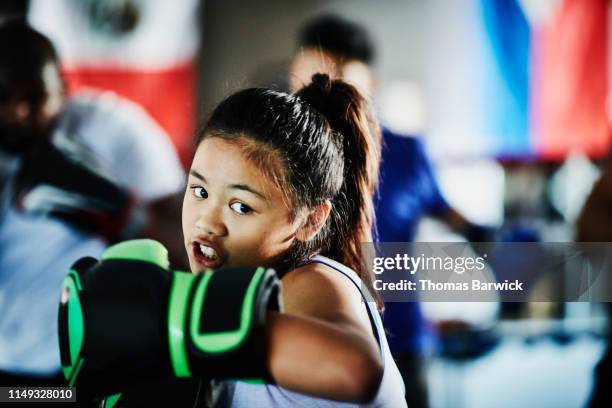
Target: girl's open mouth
206,255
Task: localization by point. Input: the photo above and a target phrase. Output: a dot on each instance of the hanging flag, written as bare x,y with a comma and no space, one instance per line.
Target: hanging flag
519,79
570,81
142,50
506,82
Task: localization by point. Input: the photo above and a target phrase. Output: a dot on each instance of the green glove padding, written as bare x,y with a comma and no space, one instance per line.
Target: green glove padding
128,319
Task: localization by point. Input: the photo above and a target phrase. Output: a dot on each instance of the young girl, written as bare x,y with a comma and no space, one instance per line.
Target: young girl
278,180
286,181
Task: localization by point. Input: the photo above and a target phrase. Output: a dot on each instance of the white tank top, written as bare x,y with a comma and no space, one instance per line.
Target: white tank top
390,393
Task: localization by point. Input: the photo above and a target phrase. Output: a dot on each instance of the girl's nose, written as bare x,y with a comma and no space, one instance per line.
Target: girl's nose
210,222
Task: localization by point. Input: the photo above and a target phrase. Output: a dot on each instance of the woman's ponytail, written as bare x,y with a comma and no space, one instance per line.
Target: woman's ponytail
352,122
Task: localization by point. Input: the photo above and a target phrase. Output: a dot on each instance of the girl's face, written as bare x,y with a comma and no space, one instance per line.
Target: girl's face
232,214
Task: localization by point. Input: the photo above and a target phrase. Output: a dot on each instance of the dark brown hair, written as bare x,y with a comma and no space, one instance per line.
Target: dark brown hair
23,54
322,143
343,38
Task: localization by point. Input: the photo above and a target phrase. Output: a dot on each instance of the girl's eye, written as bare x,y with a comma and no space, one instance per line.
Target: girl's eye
199,192
241,208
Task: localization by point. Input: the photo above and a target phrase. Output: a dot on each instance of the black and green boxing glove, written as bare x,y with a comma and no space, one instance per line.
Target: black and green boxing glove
129,319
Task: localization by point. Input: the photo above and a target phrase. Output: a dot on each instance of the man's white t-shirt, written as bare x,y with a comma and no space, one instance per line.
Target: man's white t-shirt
37,251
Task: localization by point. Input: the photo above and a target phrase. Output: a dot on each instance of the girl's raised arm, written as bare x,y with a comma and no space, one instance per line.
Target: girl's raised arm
323,345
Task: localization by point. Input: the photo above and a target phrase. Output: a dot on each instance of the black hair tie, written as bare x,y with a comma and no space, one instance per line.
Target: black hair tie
322,82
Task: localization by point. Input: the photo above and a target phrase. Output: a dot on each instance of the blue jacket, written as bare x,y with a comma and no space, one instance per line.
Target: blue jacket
408,190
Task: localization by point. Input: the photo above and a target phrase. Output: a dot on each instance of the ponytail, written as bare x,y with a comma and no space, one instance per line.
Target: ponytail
352,220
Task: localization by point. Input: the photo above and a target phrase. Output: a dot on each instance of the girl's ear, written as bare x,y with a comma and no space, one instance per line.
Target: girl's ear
314,221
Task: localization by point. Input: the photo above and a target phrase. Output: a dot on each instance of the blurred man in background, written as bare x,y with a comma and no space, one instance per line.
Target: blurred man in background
408,189
75,173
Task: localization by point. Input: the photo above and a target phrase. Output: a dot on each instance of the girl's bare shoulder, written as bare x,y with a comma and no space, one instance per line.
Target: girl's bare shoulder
319,291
